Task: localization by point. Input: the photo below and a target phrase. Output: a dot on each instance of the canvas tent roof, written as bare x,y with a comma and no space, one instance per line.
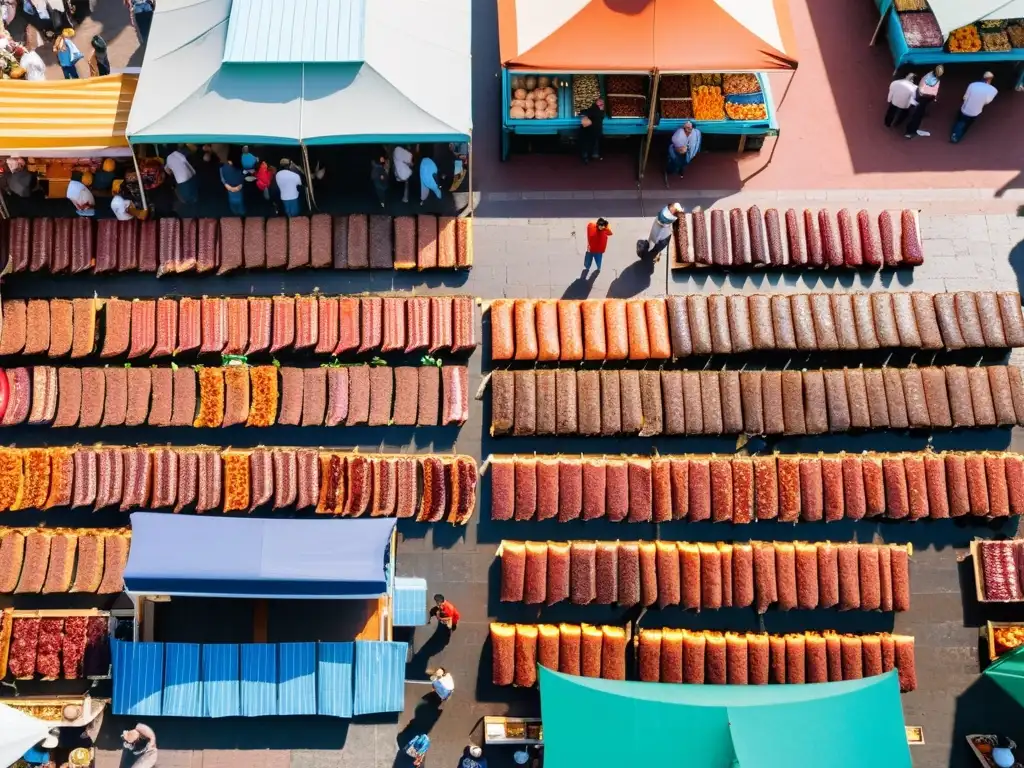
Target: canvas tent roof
1008,673
196,87
18,734
953,14
245,557
66,118
642,35
607,723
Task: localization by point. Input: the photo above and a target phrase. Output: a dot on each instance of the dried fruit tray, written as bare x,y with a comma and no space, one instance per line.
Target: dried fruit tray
57,560
168,246
811,402
786,575
786,488
1016,546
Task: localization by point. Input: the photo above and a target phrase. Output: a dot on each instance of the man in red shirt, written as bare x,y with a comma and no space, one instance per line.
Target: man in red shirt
445,612
598,233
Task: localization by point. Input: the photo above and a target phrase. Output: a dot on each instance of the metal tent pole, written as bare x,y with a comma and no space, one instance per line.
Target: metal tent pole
310,199
650,122
138,174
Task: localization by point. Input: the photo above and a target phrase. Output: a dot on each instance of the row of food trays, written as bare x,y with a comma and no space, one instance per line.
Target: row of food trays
428,487
242,325
696,658
236,395
921,30
219,246
54,644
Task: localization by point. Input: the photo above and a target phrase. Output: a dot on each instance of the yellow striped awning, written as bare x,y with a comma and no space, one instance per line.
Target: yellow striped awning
75,117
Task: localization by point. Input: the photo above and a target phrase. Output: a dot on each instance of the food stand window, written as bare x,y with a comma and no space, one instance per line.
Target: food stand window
922,33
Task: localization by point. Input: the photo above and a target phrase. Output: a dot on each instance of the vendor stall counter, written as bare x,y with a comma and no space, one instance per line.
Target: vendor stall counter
548,104
910,33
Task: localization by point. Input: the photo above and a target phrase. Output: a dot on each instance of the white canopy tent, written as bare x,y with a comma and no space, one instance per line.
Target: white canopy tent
18,734
953,14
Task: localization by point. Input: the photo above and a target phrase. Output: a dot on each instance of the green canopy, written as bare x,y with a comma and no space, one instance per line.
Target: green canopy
1008,673
612,723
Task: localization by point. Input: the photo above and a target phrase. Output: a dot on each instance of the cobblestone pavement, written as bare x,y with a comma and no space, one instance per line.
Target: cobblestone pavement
543,258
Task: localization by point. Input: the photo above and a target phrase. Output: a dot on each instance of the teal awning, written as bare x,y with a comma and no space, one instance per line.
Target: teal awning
1008,673
610,723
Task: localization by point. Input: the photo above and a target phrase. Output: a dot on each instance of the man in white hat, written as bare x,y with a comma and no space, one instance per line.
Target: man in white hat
977,96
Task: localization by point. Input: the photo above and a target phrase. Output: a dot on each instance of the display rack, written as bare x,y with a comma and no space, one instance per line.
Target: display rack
496,731
979,577
988,632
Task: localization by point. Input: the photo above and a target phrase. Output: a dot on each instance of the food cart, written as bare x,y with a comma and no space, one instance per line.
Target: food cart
923,35
554,64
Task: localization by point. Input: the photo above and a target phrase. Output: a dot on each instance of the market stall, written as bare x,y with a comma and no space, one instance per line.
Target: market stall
219,71
557,61
65,128
929,32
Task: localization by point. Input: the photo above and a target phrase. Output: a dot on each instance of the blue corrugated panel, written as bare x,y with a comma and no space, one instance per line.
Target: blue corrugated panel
410,602
379,677
138,678
183,691
334,679
221,683
296,688
296,31
259,679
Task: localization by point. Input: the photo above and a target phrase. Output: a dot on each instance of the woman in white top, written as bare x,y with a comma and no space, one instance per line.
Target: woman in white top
402,162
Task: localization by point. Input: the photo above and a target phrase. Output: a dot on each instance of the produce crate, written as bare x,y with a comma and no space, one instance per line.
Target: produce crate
585,82
625,106
979,576
990,635
674,87
676,108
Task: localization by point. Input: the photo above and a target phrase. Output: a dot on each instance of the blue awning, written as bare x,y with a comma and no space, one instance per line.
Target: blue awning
138,677
334,679
183,690
259,679
221,681
296,687
240,557
379,677
410,606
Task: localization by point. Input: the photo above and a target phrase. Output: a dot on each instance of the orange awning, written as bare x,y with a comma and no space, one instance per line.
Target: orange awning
75,117
642,35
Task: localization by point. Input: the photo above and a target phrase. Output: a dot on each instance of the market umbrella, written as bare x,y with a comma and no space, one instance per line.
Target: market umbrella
1008,673
18,734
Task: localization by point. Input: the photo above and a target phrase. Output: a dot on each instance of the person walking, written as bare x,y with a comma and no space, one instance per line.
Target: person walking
142,17
977,96
428,179
473,758
68,54
379,177
402,160
683,147
591,131
902,96
234,182
443,684
661,233
140,741
445,612
288,183
186,183
598,233
927,92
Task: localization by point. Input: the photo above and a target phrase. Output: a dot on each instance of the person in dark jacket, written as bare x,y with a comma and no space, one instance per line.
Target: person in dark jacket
591,131
379,177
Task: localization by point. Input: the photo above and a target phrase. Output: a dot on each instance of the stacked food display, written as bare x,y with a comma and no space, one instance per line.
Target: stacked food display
916,36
